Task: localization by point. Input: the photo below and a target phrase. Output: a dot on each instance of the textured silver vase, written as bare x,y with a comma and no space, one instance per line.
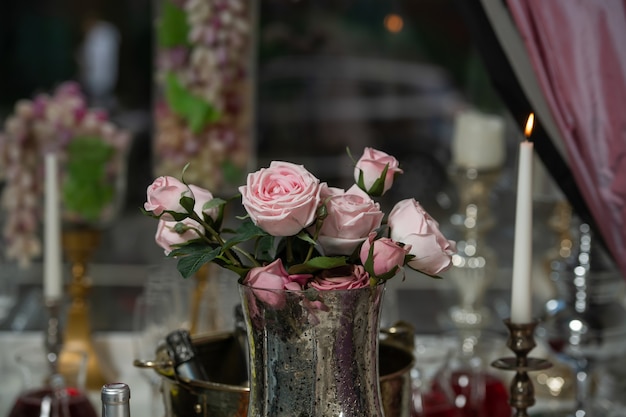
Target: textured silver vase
313,357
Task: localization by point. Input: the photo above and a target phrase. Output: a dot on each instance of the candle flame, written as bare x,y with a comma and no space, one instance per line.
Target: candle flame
529,125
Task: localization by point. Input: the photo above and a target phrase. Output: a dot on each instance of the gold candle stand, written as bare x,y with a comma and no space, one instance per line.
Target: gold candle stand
204,320
521,341
79,245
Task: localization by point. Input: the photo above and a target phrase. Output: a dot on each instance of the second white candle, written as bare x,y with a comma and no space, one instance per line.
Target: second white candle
521,301
52,274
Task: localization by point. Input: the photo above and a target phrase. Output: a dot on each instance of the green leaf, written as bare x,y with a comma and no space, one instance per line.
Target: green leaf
190,264
216,202
189,247
177,216
187,203
247,231
263,248
378,188
86,188
369,263
196,111
317,264
306,237
172,27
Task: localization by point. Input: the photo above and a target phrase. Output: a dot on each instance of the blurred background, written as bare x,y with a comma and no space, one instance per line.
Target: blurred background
328,75
313,78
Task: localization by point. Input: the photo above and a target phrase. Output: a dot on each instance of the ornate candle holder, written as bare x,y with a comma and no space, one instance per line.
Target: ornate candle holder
474,264
204,320
521,341
53,340
79,244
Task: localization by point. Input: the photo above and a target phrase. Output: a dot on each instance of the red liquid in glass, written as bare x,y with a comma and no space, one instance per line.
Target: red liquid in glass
495,402
434,404
28,404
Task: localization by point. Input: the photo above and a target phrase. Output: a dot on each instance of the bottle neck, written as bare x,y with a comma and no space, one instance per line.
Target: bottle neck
116,410
115,400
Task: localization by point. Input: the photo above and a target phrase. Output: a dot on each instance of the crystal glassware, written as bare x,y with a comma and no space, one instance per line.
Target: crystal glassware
585,325
152,320
49,394
475,263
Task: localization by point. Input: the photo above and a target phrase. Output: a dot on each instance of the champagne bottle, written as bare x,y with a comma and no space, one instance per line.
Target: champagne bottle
184,355
116,400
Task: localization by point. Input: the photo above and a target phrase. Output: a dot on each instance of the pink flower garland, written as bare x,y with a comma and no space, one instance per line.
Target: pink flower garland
45,123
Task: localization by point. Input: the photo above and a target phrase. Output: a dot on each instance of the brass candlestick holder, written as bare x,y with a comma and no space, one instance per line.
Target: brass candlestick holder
521,341
53,338
204,308
79,245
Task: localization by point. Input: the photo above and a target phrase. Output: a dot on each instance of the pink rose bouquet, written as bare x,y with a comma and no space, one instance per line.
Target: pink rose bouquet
299,233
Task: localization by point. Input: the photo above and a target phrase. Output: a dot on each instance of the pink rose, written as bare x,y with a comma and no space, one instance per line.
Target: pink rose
281,199
297,282
345,278
371,168
352,215
164,195
166,235
387,255
412,225
269,282
201,197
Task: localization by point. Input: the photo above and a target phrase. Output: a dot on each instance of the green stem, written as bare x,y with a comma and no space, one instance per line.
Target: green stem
289,250
318,227
247,255
217,237
202,235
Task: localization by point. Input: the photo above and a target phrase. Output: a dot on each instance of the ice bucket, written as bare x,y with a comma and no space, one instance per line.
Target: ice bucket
226,393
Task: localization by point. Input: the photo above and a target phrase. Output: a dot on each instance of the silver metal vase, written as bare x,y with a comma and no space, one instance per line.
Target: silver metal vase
313,353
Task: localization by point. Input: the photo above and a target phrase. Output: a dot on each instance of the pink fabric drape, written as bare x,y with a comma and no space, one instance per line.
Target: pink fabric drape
578,52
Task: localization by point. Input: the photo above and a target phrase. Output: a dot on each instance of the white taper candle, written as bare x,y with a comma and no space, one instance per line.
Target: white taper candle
521,303
53,277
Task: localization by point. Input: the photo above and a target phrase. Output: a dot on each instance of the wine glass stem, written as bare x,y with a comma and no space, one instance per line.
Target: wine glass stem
583,389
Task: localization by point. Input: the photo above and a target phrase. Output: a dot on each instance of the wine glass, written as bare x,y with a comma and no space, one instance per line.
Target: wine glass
586,325
464,385
431,355
44,393
152,320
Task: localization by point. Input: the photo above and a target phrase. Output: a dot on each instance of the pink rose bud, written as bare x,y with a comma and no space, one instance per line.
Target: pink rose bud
281,199
412,225
342,278
351,216
164,194
167,236
202,197
387,255
375,171
268,283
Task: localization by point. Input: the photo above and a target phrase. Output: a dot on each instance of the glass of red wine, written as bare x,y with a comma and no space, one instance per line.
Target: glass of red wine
45,393
431,355
466,386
